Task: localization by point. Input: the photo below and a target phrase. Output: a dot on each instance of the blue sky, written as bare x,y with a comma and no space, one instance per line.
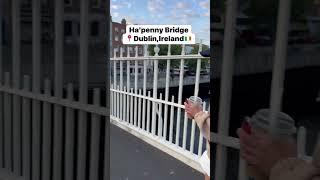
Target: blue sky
189,12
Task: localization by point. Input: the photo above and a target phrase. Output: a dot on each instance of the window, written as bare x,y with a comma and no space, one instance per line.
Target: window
116,29
68,28
68,2
95,28
122,31
116,38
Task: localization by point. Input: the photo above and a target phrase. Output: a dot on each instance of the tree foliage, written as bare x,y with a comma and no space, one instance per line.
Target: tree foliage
176,50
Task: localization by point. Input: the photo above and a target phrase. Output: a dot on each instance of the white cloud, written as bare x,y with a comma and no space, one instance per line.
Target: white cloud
204,4
181,5
114,7
207,14
115,14
154,6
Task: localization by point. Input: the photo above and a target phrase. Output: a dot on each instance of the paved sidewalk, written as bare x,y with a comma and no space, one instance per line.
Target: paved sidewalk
133,159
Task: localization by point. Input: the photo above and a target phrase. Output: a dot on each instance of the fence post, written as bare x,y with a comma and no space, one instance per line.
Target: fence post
26,131
95,138
302,134
279,64
7,125
226,86
16,49
180,95
155,90
69,131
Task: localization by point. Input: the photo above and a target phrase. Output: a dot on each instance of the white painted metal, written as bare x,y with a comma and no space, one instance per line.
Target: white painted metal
144,88
279,61
95,139
200,136
16,115
46,134
121,89
148,112
185,126
155,89
226,86
135,86
131,108
139,110
7,125
1,94
36,66
118,102
166,96
301,142
160,58
69,133
111,100
160,119
83,91
26,131
171,120
58,73
196,92
180,96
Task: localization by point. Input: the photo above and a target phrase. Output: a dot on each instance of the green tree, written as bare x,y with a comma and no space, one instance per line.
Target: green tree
192,64
175,50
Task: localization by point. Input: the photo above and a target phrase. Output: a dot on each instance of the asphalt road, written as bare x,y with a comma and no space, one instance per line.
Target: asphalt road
133,159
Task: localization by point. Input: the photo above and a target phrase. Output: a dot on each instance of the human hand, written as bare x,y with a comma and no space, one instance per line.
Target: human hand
191,109
262,151
294,169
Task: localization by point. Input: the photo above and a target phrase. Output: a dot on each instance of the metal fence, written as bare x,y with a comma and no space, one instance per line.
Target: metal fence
221,138
155,117
45,132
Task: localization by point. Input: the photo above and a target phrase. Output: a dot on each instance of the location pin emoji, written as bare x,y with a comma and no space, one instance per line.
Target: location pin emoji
129,37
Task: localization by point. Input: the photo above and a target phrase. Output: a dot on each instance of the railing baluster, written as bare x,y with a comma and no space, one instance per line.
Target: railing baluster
111,101
139,110
7,125
36,66
131,107
201,135
148,112
171,121
46,134
121,89
26,131
166,96
58,73
278,72
155,90
135,86
180,96
144,88
70,136
1,94
124,105
118,103
160,123
301,142
95,139
185,131
226,86
83,91
16,121
196,93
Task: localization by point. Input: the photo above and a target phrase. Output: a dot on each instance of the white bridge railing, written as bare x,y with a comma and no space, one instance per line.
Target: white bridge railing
157,118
